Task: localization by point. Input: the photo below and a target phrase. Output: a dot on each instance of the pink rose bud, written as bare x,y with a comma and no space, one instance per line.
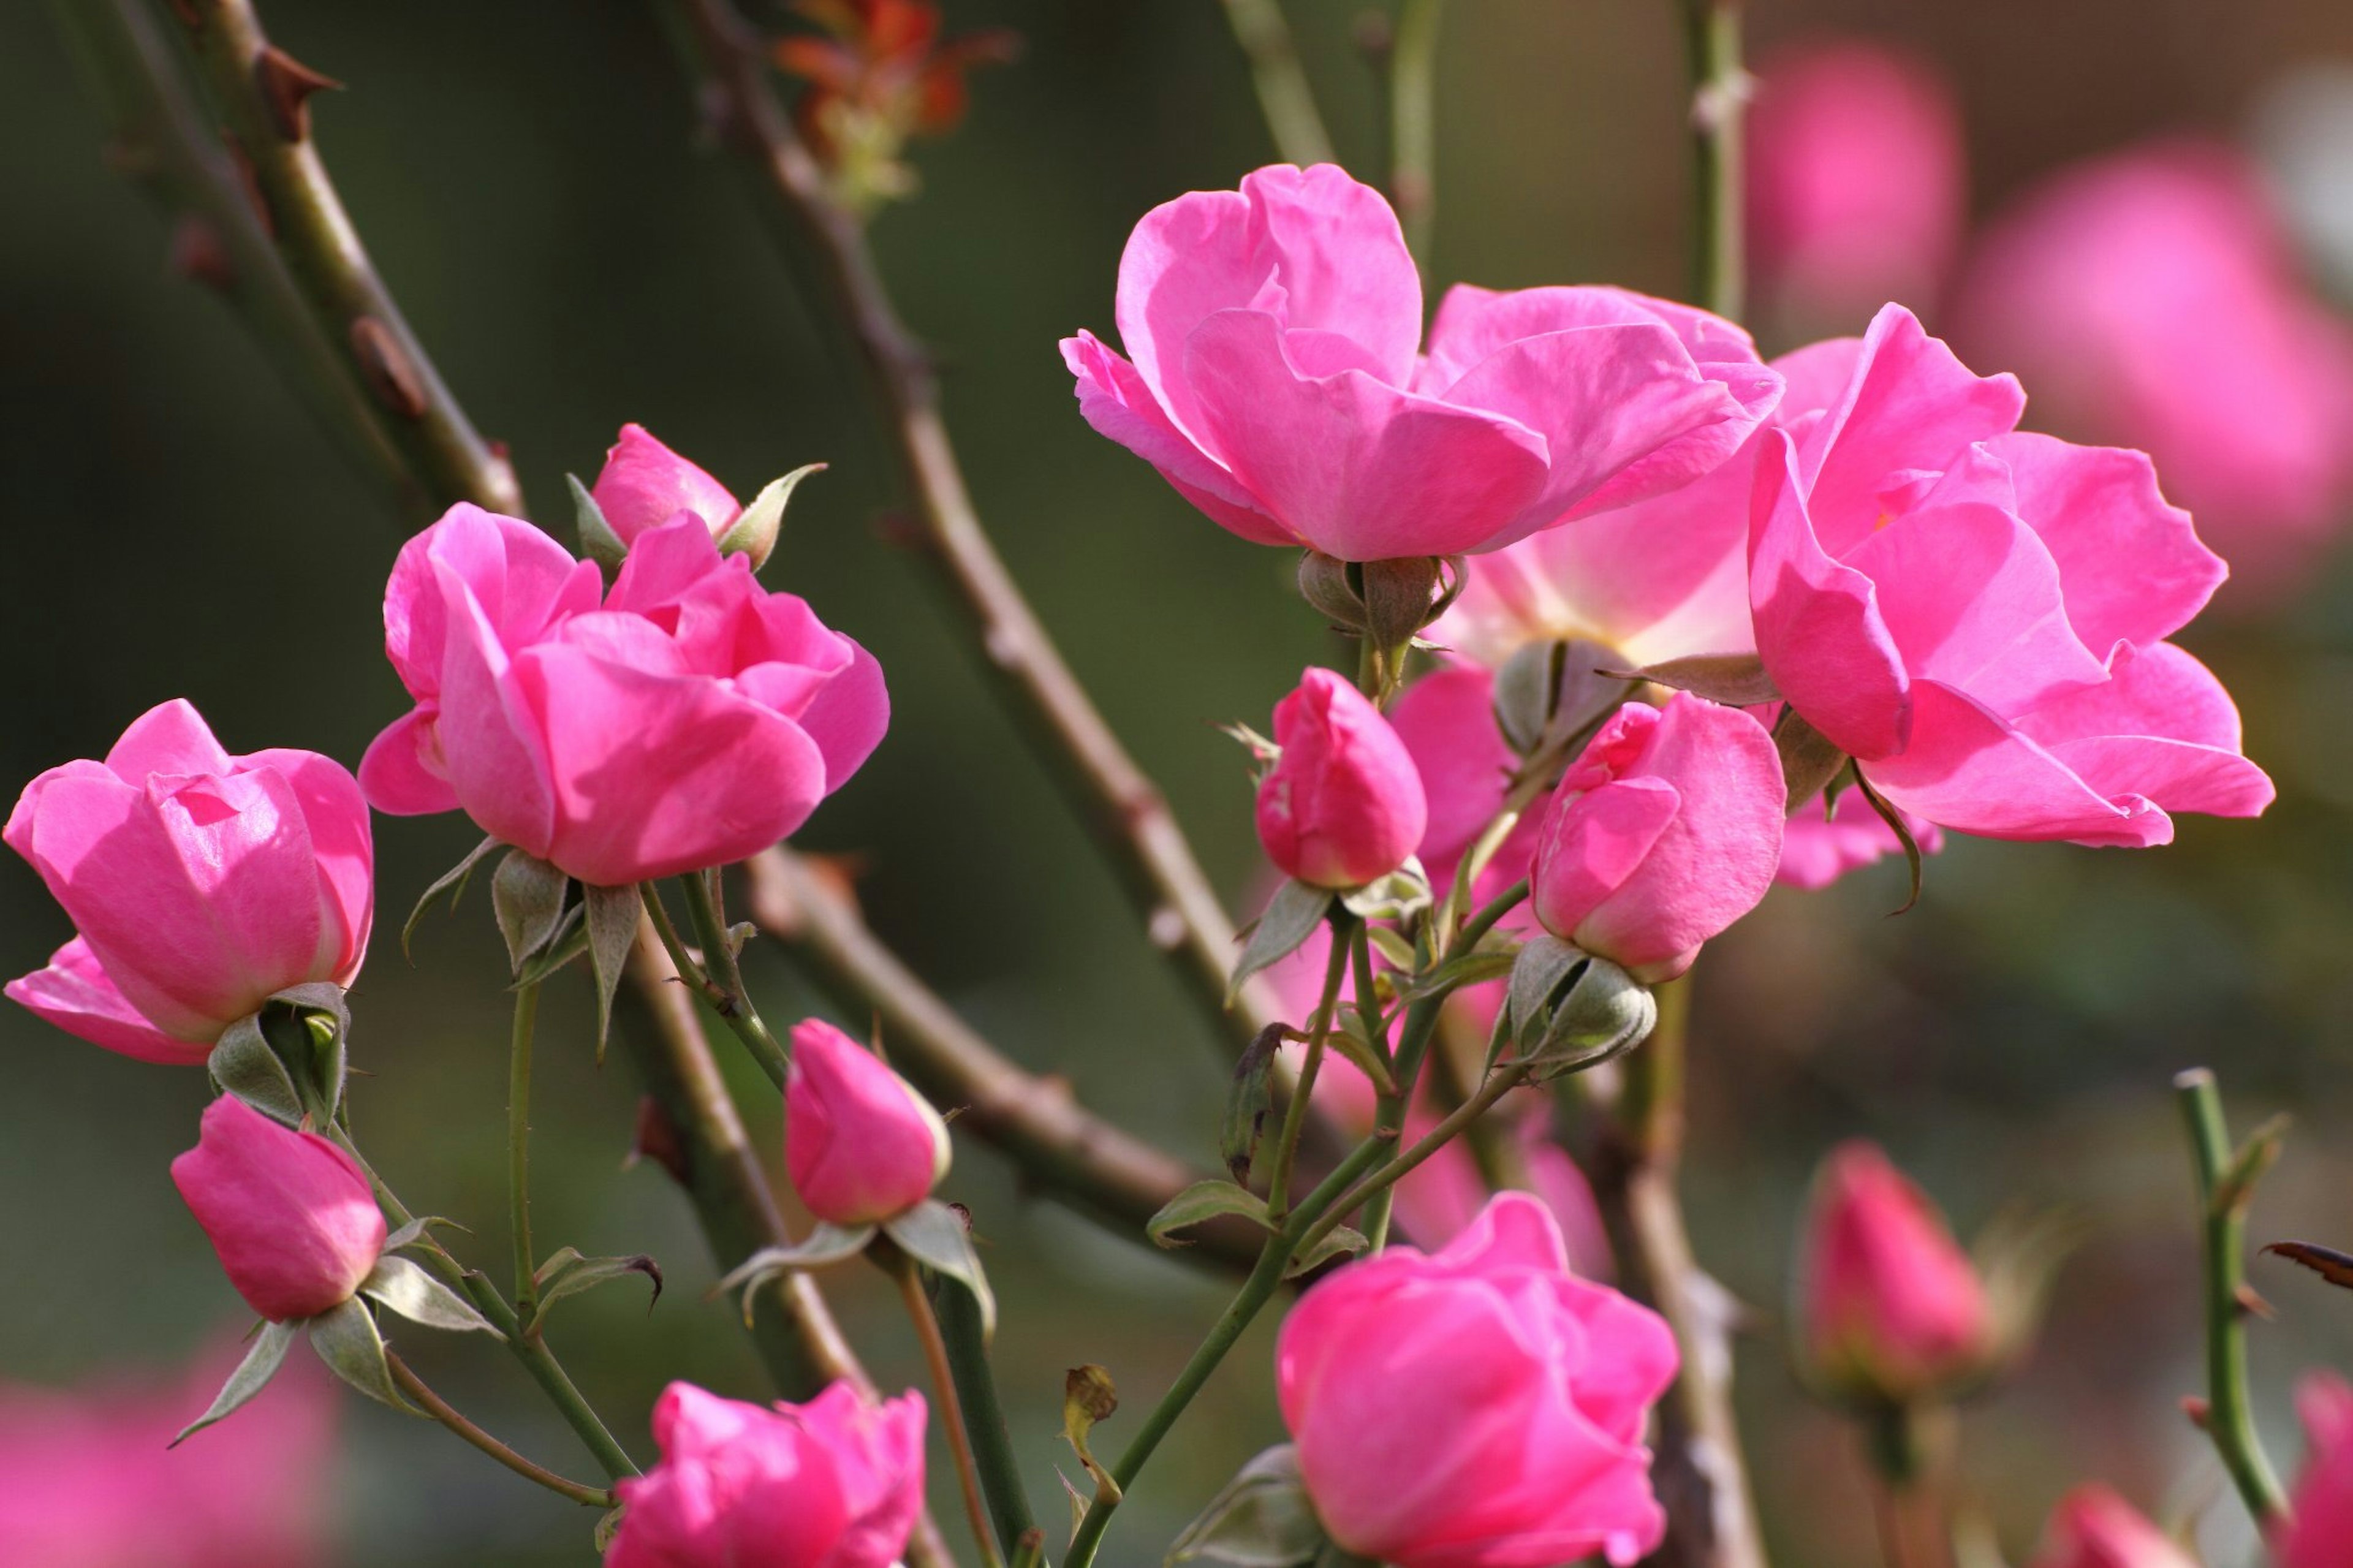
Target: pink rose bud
644,484
1663,833
1857,181
860,1144
1277,378
1892,1308
1504,1426
834,1483
2094,1528
291,1216
201,884
1344,804
2320,1507
689,720
1979,614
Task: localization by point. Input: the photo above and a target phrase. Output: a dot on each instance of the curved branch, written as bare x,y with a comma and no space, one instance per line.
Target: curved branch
260,91
1130,820
1284,95
1080,1159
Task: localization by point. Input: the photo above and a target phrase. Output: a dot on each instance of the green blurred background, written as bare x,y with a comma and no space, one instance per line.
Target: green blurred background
529,177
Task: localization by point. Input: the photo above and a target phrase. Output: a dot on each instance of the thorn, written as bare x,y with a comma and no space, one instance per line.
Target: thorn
389,370
196,253
287,85
2252,1303
2196,1409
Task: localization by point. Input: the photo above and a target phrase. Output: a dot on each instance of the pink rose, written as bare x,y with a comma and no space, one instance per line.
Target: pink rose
1344,805
2094,1528
2320,1507
644,484
1276,384
1857,180
834,1483
291,1216
1662,833
201,884
860,1144
1504,1428
91,1484
1892,1308
1977,616
2152,300
693,720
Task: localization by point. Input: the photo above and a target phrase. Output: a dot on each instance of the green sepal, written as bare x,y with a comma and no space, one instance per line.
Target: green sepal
824,1246
567,1273
599,542
413,1234
1290,919
453,882
1733,679
402,1287
243,1063
1261,1519
253,1375
612,925
939,1238
1570,1011
1343,1242
570,941
346,1339
528,896
754,531
1402,894
1810,759
1202,1202
1896,825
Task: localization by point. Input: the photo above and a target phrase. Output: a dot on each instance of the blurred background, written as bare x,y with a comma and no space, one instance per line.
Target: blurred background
530,179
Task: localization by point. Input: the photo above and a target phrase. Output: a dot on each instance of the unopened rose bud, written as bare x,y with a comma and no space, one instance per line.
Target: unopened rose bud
291,1216
860,1144
1663,833
644,484
1344,805
2094,1528
1893,1310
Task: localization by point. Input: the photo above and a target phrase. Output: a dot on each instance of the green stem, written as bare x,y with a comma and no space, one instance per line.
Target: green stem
1284,96
1345,930
1499,1083
944,1387
1264,1279
1413,123
729,999
1910,1449
2229,1411
984,1416
433,1405
526,1016
1719,93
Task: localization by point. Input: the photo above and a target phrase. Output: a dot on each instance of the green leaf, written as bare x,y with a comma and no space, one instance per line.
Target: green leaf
345,1338
608,1525
598,542
1291,918
251,1376
1343,1242
1261,1519
1735,680
528,896
1479,966
415,1295
939,1238
2235,1189
613,916
453,882
828,1244
244,1065
1400,953
1200,1202
1250,1097
567,1273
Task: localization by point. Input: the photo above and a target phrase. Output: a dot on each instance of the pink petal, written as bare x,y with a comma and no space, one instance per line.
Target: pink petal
1311,246
847,717
2163,728
523,580
337,816
395,774
1514,1231
1594,842
1818,624
1447,720
1360,471
491,750
1969,770
644,484
1113,399
171,737
74,994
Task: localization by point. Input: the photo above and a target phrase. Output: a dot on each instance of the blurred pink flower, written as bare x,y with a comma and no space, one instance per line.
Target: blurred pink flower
2150,299
1892,1307
91,1484
1273,378
1506,1427
1343,806
860,1144
2320,1518
2094,1528
1857,181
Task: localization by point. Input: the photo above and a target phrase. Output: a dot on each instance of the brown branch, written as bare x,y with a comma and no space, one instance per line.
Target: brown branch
1701,1477
260,91
1130,820
1059,1146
